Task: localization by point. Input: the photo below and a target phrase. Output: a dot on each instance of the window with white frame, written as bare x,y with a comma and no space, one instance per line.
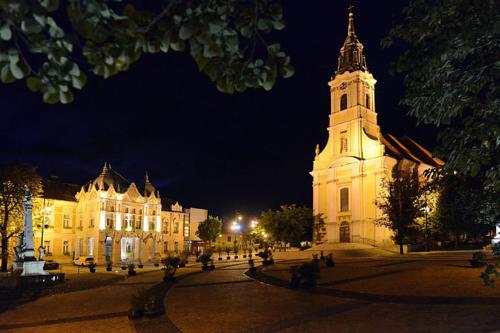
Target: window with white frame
65,248
66,221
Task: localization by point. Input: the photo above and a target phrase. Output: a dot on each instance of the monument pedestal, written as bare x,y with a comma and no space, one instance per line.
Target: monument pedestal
30,267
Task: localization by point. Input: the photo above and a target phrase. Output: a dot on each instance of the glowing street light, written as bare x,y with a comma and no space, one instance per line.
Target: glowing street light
253,224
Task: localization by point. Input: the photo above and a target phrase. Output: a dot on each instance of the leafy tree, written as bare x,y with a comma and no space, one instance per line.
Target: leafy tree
13,179
289,224
54,44
451,74
400,203
457,208
209,229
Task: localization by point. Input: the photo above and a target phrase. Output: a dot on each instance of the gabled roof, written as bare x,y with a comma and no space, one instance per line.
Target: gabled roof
54,189
407,148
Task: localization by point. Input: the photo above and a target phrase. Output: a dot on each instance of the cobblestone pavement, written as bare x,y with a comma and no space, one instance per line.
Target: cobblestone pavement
226,300
102,309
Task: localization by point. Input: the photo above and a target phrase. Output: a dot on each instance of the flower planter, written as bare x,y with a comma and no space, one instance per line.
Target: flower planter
109,268
124,268
140,266
92,270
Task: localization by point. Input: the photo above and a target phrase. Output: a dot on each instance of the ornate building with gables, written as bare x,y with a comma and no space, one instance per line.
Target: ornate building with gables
110,219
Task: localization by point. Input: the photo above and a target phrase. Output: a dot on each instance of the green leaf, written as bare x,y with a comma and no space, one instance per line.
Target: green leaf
66,96
185,32
50,5
31,26
33,83
5,32
51,97
16,70
79,82
6,76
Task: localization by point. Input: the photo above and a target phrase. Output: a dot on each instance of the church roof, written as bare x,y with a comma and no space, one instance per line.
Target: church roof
351,54
110,177
407,148
54,189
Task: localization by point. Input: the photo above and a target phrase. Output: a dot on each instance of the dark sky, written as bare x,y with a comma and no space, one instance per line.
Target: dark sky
245,152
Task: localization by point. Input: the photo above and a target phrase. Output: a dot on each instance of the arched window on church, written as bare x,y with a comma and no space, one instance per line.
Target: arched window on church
367,101
343,102
344,199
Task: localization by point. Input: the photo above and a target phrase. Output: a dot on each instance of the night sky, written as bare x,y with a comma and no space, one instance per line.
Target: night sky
245,152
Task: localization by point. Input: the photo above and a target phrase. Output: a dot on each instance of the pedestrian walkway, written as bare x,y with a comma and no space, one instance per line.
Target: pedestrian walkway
226,300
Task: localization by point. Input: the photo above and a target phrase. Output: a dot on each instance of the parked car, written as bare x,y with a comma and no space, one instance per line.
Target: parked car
50,265
84,261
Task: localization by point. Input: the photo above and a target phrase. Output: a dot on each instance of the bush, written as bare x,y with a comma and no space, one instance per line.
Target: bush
137,302
329,262
305,275
478,259
131,270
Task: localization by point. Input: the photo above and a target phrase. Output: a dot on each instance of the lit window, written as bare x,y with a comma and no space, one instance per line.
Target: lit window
66,221
343,102
66,248
46,246
109,222
344,199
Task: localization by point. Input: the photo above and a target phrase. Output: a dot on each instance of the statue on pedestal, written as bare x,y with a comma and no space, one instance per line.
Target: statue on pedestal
25,252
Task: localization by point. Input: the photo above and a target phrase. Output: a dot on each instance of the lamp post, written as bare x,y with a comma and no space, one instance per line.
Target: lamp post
45,212
235,227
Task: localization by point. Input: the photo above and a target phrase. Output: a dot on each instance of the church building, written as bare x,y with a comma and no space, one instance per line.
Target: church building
348,172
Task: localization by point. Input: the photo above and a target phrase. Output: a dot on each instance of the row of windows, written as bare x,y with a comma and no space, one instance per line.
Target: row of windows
343,101
48,249
111,208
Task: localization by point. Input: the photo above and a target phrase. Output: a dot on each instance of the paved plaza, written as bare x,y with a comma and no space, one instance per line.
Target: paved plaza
367,291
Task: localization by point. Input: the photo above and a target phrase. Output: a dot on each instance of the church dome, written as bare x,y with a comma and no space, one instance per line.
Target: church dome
110,177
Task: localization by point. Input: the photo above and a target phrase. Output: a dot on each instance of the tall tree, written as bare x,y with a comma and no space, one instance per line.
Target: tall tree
54,44
13,179
289,224
209,229
451,74
400,203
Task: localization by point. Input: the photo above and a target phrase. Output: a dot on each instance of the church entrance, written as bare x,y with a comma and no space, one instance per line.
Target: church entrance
345,236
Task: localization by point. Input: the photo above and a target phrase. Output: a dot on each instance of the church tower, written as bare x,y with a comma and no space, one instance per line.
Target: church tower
352,91
347,169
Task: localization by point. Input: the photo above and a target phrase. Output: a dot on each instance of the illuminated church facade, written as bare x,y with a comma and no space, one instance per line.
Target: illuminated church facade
349,170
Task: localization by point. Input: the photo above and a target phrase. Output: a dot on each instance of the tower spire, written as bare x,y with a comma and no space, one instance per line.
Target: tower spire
105,168
351,54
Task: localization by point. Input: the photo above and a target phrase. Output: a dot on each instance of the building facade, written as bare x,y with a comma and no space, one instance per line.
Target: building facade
110,219
348,172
